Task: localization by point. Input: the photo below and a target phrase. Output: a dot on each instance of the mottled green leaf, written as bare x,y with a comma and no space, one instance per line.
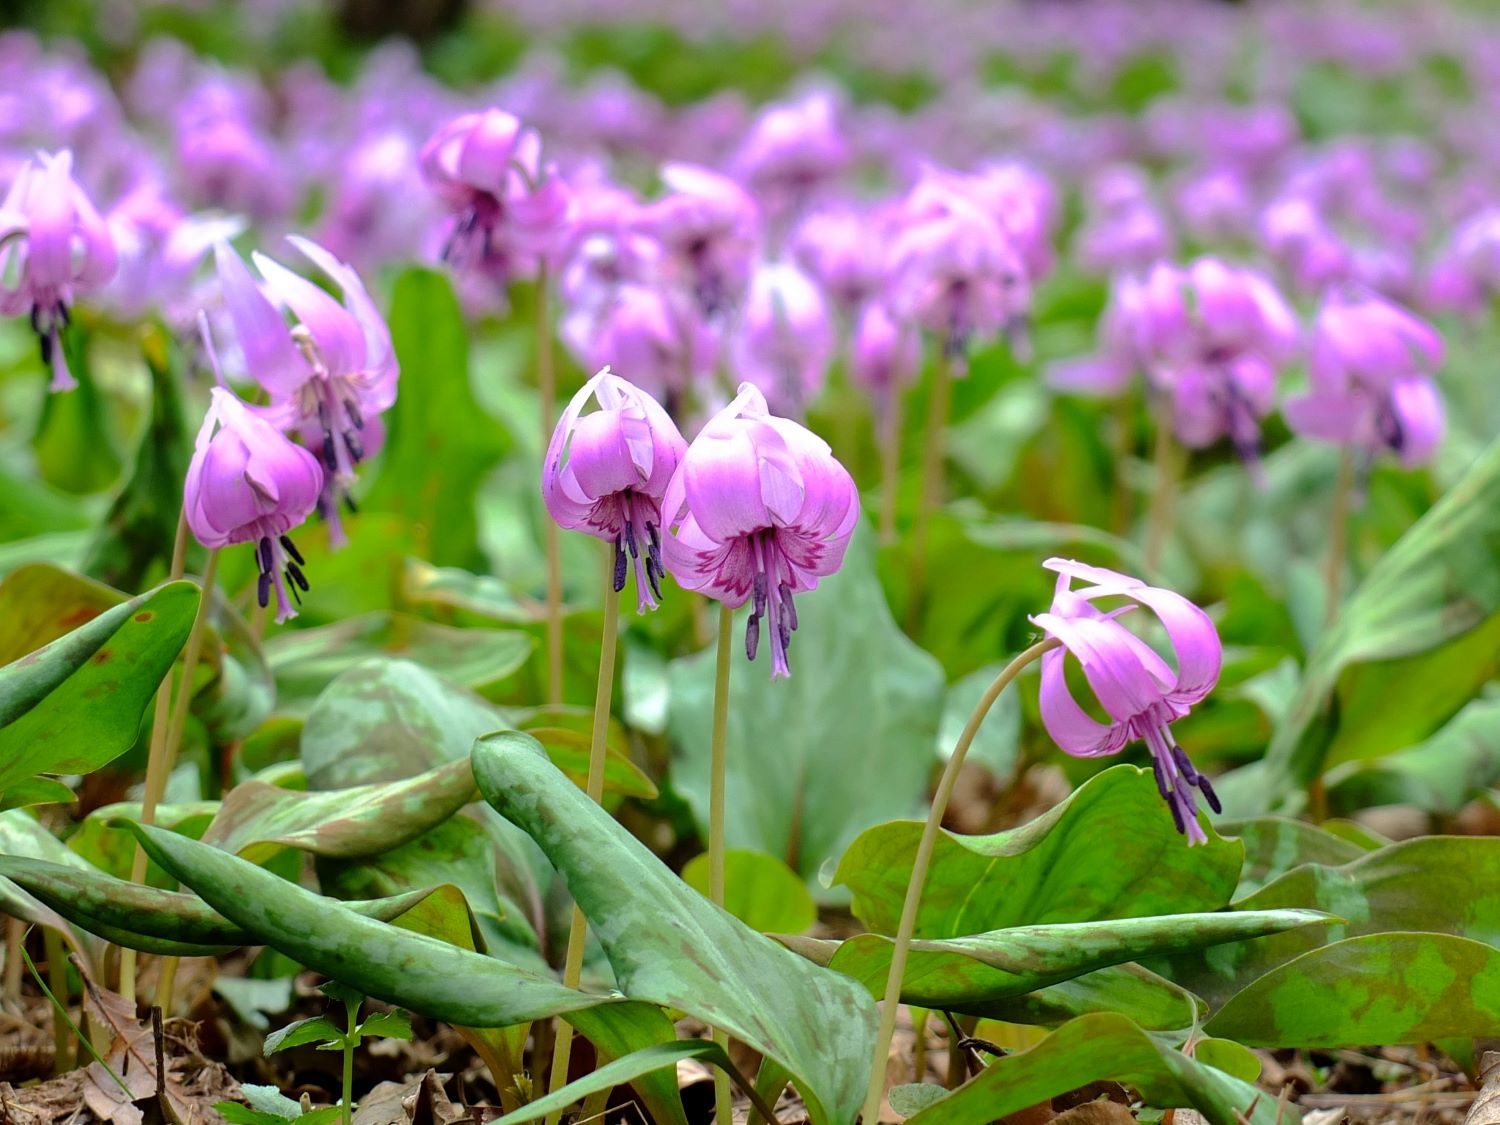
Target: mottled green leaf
1372,990
1275,844
759,890
669,946
452,588
843,744
970,972
77,703
305,661
1230,1057
1109,851
41,602
1425,884
1105,1047
364,820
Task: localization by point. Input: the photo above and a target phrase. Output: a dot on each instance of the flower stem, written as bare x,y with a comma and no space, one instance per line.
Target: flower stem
546,378
562,1047
346,1103
1168,466
57,978
1120,443
718,769
890,465
1338,534
933,454
156,763
908,923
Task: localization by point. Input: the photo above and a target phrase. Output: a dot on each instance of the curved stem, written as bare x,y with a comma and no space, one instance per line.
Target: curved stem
546,379
933,452
908,923
1338,534
718,770
578,929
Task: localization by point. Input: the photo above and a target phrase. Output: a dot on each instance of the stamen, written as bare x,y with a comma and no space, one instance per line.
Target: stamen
759,589
291,548
351,408
1209,795
354,445
267,559
263,590
1184,764
294,572
652,569
787,607
630,539
752,636
620,565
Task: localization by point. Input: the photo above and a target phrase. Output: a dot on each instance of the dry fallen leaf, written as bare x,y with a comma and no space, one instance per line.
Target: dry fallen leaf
1486,1107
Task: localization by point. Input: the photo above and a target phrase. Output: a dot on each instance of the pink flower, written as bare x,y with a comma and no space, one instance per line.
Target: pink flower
885,354
841,248
247,483
606,473
1371,386
325,374
54,245
652,332
761,510
1142,693
708,227
793,151
508,208
784,338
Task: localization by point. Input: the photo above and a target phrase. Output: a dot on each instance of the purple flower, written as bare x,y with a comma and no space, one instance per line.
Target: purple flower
793,151
952,269
885,354
1371,387
1466,272
761,511
508,208
606,473
1296,235
224,158
841,248
247,483
331,370
1142,693
708,228
1212,337
784,338
54,245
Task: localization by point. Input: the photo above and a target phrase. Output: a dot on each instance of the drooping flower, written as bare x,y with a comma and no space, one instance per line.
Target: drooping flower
842,249
508,208
655,333
327,373
760,510
1372,389
793,150
1142,694
708,227
54,246
247,483
606,473
784,338
885,355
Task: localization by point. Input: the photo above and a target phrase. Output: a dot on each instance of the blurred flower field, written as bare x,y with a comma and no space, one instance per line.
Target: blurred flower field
662,562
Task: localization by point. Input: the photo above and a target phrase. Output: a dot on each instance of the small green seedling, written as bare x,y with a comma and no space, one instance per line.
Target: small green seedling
326,1036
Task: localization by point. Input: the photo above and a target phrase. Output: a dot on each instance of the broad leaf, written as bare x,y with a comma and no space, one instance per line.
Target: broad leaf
670,946
77,703
1108,851
1274,845
843,744
1372,990
759,890
1105,1048
1413,643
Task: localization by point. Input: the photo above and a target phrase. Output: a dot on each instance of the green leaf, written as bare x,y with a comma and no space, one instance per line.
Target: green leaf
1423,884
1097,1048
967,973
268,1099
1413,643
305,661
1274,845
386,1025
255,818
319,1029
759,890
1440,774
841,745
77,703
93,899
36,791
669,946
913,1097
41,602
441,443
1128,990
411,970
1373,990
1108,851
1230,1057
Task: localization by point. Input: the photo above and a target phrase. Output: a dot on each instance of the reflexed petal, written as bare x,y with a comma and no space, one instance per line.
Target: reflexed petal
1321,416
1074,730
340,338
1111,657
263,335
1194,639
1419,412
